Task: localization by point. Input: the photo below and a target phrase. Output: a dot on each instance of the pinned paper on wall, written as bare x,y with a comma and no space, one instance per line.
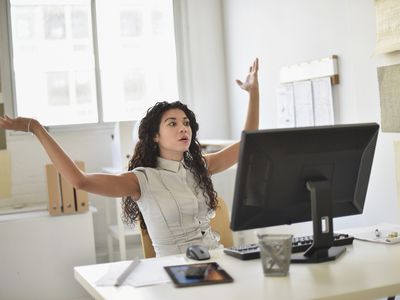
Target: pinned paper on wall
5,174
323,101
304,97
387,26
389,91
396,145
305,103
285,96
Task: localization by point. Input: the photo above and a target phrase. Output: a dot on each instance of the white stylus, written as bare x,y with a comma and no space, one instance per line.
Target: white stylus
121,278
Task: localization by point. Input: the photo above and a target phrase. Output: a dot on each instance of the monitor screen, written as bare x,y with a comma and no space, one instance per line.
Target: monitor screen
280,171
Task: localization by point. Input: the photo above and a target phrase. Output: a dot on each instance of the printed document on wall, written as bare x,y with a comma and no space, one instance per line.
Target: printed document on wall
303,100
323,101
285,98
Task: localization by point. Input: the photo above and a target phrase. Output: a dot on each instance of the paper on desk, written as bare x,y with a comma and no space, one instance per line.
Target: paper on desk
384,230
148,272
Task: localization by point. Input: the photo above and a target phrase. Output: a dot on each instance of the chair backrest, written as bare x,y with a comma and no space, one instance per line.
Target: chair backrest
147,246
219,224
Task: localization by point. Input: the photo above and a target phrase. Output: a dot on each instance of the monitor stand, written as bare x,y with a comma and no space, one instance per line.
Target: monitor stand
321,210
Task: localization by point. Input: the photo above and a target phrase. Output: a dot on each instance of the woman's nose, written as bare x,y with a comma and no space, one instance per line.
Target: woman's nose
183,129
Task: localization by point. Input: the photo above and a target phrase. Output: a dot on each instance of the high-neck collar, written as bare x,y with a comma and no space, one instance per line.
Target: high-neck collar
170,165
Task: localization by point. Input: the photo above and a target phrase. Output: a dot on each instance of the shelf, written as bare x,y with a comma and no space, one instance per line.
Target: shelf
23,209
127,231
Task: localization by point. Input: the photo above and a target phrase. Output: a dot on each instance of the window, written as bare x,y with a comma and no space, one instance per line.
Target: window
137,56
67,64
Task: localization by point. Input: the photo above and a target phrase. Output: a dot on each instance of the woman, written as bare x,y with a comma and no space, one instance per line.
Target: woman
168,186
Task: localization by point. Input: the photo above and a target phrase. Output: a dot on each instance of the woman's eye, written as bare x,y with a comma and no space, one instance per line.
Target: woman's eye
171,124
186,123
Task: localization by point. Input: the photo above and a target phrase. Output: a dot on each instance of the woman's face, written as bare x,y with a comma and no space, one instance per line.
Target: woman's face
174,135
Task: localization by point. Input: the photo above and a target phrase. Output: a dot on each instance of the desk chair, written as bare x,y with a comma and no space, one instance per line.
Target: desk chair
219,224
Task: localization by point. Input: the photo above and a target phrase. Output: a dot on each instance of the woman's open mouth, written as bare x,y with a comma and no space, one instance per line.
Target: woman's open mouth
184,139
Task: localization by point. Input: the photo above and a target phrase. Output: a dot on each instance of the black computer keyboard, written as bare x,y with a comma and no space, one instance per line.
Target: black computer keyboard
299,244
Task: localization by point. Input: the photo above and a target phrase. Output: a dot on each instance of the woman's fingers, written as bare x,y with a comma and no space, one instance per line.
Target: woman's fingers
239,82
255,65
251,78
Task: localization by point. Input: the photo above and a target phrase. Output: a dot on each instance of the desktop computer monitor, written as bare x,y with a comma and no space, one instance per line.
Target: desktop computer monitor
293,175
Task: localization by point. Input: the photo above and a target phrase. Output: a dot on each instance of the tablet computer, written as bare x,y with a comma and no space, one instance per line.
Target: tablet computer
198,274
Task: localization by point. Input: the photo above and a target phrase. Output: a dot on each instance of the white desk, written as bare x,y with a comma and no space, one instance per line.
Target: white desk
365,271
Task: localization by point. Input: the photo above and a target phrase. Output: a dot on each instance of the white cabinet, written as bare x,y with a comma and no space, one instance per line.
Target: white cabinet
38,253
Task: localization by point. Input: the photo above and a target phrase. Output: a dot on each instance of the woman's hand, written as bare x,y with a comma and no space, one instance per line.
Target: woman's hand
16,124
251,82
227,157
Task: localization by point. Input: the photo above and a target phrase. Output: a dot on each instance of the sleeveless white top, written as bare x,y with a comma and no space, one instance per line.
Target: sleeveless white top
173,207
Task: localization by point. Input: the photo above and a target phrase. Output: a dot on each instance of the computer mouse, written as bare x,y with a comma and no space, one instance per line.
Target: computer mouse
197,252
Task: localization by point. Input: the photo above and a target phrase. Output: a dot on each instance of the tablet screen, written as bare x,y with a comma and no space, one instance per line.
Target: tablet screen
198,274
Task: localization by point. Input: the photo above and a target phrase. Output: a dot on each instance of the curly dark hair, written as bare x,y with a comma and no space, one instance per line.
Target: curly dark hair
147,151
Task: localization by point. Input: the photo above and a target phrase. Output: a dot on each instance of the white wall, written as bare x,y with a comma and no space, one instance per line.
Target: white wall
202,64
285,32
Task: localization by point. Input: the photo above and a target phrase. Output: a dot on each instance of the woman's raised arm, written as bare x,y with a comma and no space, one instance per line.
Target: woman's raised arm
124,184
227,157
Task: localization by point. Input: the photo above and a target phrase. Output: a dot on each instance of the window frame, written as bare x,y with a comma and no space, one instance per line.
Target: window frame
8,92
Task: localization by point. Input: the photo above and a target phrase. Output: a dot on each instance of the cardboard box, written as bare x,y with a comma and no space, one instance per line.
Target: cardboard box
53,188
63,197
